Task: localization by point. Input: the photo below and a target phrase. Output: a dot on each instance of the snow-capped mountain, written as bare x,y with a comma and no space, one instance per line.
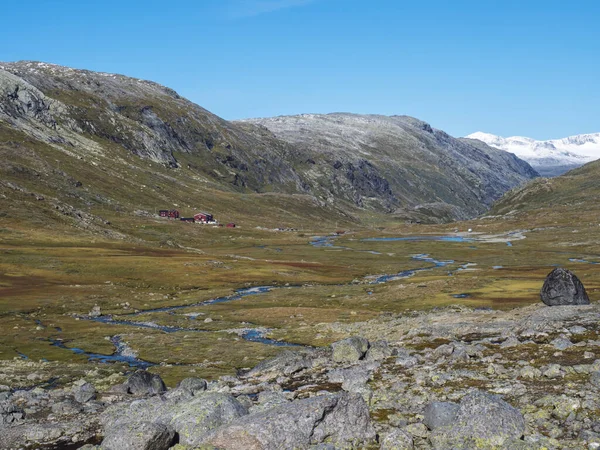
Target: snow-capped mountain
549,158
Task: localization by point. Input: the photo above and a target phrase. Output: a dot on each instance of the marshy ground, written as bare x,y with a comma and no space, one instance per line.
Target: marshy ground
50,281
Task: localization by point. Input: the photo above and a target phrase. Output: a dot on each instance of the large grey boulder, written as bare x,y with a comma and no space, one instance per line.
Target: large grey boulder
143,436
192,417
286,363
145,383
350,350
84,393
378,351
194,420
562,287
338,419
193,385
440,414
482,420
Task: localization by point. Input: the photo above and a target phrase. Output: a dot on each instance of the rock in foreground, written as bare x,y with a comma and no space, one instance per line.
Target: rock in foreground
482,420
562,287
341,419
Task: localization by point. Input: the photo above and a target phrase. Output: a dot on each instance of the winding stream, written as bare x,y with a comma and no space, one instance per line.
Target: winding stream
123,354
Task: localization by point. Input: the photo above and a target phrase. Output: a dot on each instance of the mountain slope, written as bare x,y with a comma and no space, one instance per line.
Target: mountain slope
549,158
405,164
577,193
95,146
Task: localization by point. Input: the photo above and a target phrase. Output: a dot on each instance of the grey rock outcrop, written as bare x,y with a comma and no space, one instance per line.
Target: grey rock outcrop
10,413
143,383
286,363
193,385
397,440
440,414
84,393
350,350
143,436
562,287
482,419
195,419
341,419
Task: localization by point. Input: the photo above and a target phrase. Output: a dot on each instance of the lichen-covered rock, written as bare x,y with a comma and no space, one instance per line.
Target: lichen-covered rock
286,363
145,383
482,420
440,414
193,385
378,351
194,420
339,419
562,287
397,440
143,436
350,350
561,343
84,393
10,413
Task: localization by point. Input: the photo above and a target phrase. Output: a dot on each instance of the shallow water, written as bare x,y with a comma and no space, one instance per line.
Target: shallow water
115,357
420,238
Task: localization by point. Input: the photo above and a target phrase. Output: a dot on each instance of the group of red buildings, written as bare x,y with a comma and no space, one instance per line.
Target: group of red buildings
200,217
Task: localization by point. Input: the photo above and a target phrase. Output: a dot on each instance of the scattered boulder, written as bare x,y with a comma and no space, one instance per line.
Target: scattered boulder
378,351
341,419
10,413
562,287
143,436
67,407
561,343
145,383
481,420
397,440
84,393
268,400
440,414
595,379
95,311
194,420
193,385
350,350
286,363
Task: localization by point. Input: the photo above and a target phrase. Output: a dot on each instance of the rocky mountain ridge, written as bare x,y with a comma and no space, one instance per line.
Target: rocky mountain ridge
413,166
398,165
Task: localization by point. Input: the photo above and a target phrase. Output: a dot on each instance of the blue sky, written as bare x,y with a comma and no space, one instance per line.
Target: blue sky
508,67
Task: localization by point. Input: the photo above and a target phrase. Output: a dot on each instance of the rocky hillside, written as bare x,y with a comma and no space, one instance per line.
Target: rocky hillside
455,378
577,191
400,163
86,141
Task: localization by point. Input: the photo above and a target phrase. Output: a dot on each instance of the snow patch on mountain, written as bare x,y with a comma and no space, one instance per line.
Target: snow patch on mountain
550,157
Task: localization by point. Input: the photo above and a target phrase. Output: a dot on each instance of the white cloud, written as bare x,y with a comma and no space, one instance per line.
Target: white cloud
249,8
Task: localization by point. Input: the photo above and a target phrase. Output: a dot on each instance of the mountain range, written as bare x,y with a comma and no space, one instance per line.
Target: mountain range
549,158
84,142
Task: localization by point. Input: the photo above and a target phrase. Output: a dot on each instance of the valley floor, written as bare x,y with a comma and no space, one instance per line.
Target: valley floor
459,309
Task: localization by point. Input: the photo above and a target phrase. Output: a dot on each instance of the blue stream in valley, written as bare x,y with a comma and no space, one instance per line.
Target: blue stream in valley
252,335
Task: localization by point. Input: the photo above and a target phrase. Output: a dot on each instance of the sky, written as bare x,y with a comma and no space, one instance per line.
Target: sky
508,67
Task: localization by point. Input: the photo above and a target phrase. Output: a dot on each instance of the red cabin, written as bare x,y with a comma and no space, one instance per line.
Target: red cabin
203,217
170,213
231,225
